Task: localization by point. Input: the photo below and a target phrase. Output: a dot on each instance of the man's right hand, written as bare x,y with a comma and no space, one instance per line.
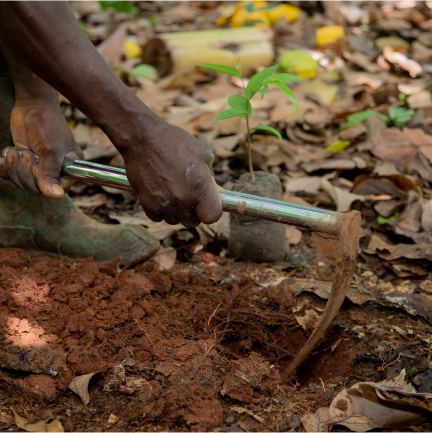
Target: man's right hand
172,173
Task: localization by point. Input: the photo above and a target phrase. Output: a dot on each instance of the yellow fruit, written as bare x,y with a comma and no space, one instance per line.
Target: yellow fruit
226,13
254,19
300,63
329,35
132,49
250,6
289,12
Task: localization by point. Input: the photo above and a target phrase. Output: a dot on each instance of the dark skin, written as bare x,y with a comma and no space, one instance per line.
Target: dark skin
169,169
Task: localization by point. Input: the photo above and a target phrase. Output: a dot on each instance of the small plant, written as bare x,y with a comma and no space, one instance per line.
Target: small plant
398,116
259,83
119,6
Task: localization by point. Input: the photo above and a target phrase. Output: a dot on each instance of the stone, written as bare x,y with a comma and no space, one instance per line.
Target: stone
252,239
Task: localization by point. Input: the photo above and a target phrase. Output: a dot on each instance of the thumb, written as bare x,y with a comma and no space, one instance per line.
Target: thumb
209,208
49,175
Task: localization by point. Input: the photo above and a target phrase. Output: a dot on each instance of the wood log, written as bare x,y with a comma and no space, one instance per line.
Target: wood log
174,52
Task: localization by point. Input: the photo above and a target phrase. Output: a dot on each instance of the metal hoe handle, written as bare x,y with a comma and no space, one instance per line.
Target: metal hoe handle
308,217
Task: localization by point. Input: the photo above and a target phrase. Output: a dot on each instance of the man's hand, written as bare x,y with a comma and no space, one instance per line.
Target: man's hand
39,127
171,172
169,168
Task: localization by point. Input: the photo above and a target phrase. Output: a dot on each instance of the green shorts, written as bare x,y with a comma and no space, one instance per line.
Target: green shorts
7,101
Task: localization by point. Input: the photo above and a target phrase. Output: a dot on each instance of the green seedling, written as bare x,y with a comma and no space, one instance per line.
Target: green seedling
389,220
119,6
259,83
398,116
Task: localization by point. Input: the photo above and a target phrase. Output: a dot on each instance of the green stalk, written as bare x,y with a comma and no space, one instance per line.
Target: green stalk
248,133
250,148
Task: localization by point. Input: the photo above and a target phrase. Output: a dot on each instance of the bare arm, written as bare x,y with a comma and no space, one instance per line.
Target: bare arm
169,168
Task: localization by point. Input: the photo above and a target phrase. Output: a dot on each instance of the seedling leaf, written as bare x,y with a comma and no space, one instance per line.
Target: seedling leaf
281,78
119,6
144,71
256,81
269,129
237,102
227,114
289,93
390,219
263,91
221,68
361,116
400,116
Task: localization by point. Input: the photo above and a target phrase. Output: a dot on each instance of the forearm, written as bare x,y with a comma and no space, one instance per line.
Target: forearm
46,37
28,86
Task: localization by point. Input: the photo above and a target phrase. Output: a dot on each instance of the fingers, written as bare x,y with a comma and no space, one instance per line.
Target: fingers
12,160
209,207
152,215
49,177
25,174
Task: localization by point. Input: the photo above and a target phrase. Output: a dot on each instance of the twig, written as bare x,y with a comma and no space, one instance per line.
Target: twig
322,384
214,312
202,362
15,278
405,346
142,329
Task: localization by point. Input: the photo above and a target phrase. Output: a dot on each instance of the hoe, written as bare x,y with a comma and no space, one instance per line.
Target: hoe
335,234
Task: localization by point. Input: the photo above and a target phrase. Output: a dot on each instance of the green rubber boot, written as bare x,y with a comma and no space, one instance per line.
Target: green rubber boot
57,228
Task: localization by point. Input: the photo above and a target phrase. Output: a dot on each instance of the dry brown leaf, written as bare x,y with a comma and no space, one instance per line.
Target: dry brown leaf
40,426
87,201
396,186
363,62
24,423
422,99
112,419
342,198
293,235
392,252
412,87
387,208
160,230
426,218
111,49
317,422
342,412
400,147
363,407
374,81
223,146
308,321
296,200
308,183
165,258
329,164
94,142
7,419
79,385
400,59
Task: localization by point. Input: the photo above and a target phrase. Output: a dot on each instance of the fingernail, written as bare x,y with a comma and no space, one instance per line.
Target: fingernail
57,190
10,157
